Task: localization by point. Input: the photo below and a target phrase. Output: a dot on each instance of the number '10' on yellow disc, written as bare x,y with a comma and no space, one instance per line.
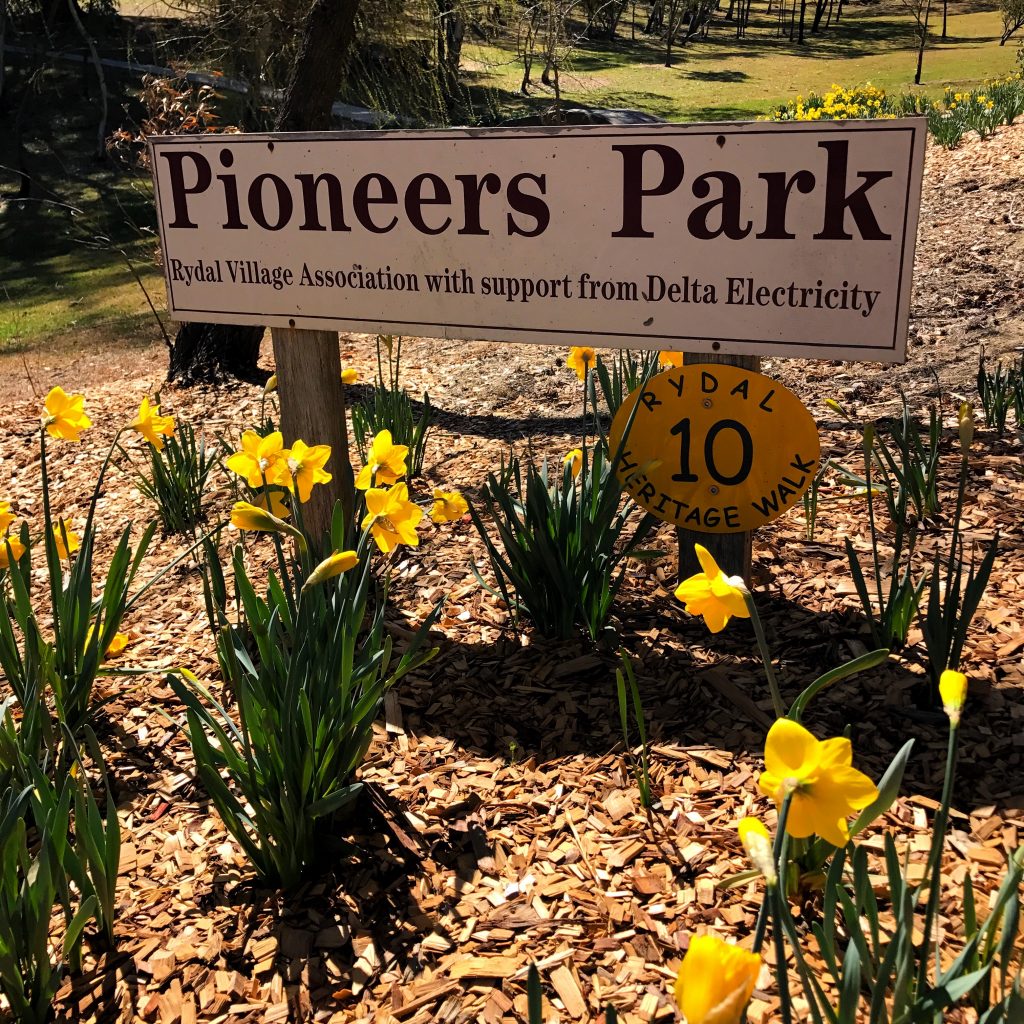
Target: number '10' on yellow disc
715,448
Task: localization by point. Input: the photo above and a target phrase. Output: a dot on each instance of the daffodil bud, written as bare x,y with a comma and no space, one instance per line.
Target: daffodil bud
953,691
837,408
271,386
869,433
965,423
251,517
716,981
334,565
758,846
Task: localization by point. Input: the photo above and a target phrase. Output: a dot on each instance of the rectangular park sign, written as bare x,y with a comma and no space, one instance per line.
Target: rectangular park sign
792,239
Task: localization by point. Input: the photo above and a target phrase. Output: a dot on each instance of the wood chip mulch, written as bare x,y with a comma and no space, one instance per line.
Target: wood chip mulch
501,826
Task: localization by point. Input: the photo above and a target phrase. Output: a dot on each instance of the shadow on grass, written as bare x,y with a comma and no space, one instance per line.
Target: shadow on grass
718,76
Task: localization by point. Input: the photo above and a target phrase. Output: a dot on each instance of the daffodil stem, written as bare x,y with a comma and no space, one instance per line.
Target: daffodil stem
934,868
869,448
766,656
781,971
812,989
777,851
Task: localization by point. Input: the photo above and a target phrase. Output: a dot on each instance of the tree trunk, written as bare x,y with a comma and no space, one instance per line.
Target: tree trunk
209,352
923,26
819,11
945,12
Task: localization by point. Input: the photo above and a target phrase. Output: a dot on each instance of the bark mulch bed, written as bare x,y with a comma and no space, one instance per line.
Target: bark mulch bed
500,825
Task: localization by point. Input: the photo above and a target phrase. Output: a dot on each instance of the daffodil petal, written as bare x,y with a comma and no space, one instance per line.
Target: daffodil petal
836,752
790,750
707,562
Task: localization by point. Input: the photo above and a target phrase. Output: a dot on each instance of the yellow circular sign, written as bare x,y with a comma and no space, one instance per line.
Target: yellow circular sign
715,448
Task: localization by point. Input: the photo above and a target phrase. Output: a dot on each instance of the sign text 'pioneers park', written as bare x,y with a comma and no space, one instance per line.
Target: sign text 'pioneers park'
794,239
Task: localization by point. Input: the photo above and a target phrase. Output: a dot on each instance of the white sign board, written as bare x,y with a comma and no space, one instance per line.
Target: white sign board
791,239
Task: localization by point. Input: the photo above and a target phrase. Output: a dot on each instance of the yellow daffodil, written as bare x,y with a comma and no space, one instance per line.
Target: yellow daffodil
333,565
670,358
758,846
953,691
306,467
716,981
151,425
6,516
261,460
385,462
276,506
713,594
17,549
448,506
60,530
581,359
350,375
117,645
826,788
575,460
63,415
391,517
271,386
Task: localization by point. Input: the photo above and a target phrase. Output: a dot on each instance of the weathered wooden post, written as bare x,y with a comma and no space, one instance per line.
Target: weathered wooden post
732,551
313,409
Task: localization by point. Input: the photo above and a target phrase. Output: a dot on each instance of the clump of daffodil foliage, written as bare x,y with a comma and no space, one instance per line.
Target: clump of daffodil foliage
59,846
308,661
880,948
563,534
179,469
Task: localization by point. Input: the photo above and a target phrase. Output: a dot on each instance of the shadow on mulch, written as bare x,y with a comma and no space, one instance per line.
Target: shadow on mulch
524,697
544,699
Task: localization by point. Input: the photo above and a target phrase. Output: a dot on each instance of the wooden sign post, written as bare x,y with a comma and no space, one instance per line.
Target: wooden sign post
313,409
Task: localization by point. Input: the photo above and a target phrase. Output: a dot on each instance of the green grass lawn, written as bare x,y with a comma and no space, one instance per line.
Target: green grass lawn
722,77
55,282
